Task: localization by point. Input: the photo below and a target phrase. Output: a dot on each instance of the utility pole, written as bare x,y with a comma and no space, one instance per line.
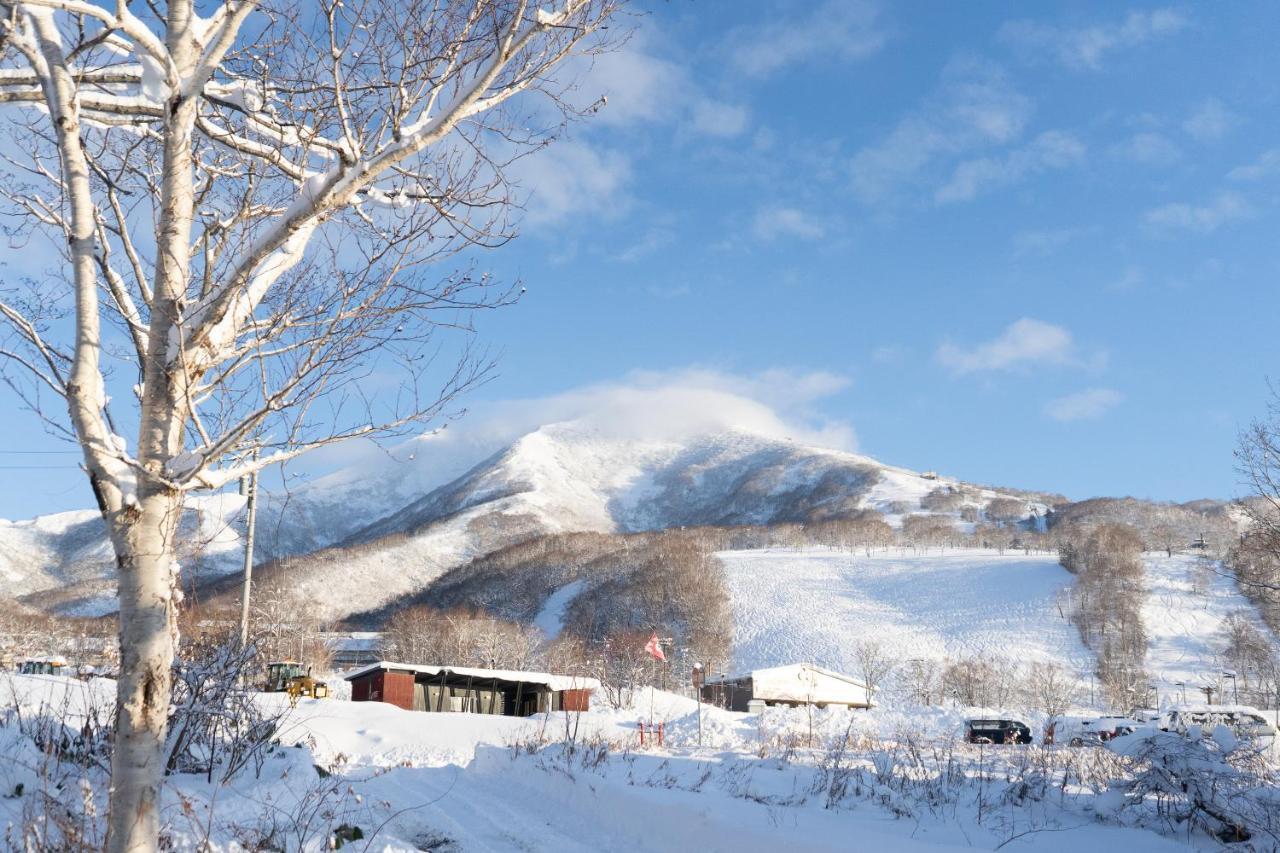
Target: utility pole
249,488
699,678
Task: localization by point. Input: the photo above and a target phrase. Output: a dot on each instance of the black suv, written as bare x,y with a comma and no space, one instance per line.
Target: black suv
996,731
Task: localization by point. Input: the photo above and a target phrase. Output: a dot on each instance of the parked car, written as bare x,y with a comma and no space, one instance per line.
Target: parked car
1088,731
44,666
996,731
1245,722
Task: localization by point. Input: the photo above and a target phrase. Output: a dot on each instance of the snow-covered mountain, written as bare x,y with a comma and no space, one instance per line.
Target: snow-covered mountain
387,526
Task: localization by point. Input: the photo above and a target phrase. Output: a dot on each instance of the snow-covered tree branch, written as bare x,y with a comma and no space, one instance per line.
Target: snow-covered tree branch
249,207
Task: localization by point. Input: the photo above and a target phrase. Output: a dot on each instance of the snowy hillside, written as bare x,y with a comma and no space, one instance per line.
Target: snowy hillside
1188,602
817,605
402,518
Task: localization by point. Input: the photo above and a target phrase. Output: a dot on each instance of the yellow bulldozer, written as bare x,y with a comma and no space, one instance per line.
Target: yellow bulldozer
289,676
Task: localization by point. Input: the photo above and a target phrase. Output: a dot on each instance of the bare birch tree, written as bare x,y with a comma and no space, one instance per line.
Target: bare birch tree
247,205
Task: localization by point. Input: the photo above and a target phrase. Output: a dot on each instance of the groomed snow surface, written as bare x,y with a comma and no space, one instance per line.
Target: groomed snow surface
817,605
458,782
1188,603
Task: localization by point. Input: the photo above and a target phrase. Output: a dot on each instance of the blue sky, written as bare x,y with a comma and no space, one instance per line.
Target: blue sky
1025,244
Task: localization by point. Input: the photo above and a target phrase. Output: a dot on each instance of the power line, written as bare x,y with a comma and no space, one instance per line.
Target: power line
40,452
39,467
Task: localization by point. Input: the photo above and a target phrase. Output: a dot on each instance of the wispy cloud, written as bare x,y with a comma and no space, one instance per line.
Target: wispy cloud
843,30
651,241
1210,121
572,177
1223,208
642,85
713,118
1024,343
890,353
1090,404
1048,151
1085,48
975,107
1149,149
1044,241
1267,165
770,223
646,405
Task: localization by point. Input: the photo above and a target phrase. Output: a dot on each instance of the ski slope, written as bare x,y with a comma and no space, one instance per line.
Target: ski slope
817,605
1187,605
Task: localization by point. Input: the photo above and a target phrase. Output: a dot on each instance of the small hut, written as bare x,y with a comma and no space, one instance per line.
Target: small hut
460,689
795,685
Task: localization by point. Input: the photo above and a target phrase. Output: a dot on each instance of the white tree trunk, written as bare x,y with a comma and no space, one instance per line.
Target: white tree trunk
147,647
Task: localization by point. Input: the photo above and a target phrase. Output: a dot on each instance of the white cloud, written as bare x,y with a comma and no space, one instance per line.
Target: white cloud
571,177
713,118
844,30
1044,241
1181,216
974,107
1048,151
1267,165
1210,122
1150,149
642,86
1084,48
1084,405
770,223
1023,343
659,405
1130,280
644,405
890,354
653,239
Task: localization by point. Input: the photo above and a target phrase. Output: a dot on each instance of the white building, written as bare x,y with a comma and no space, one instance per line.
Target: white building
795,684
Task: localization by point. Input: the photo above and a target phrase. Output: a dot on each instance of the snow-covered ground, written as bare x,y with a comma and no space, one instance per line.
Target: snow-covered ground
1188,602
817,605
550,620
454,782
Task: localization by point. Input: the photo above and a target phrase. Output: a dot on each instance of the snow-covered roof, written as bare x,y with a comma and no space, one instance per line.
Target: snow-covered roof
355,642
795,670
552,682
804,682
1200,708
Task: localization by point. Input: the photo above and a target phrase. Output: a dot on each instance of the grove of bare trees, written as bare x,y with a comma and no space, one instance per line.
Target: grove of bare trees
1106,606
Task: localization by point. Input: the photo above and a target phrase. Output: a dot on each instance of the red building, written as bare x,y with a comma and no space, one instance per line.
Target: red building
510,693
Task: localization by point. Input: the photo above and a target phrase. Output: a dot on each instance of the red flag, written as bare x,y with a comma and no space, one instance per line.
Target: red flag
654,648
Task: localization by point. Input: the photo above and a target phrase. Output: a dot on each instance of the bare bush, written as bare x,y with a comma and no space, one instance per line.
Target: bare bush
216,725
874,663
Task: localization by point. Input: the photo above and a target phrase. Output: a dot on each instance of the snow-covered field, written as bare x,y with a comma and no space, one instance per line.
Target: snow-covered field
816,605
454,782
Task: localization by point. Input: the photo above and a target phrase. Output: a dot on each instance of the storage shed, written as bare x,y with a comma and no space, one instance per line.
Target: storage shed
461,689
794,685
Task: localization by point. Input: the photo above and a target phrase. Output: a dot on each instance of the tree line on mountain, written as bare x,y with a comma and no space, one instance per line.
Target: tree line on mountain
1105,604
